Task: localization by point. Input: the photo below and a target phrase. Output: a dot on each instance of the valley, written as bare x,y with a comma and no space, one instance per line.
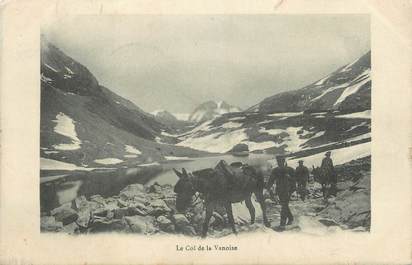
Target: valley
95,144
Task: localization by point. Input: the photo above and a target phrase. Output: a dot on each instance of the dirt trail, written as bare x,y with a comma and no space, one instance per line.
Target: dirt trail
314,216
305,213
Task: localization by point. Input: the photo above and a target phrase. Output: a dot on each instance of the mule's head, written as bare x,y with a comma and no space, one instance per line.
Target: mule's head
184,190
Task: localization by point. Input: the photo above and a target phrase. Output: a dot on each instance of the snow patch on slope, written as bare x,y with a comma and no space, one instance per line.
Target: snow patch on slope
271,131
167,134
51,164
65,126
157,111
132,150
294,142
108,161
182,116
198,115
349,66
285,114
350,90
216,142
254,146
69,70
321,81
149,164
328,91
176,158
231,125
357,115
45,78
51,68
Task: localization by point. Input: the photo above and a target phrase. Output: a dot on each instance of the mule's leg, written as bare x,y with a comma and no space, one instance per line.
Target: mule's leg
261,200
210,207
228,206
251,209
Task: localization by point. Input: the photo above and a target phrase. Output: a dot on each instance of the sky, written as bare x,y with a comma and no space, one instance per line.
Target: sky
178,62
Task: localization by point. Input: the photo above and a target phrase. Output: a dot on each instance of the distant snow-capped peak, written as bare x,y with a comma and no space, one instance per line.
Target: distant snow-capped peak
211,109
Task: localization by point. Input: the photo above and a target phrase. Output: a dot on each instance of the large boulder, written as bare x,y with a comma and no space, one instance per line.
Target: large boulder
155,188
98,199
131,191
180,220
183,225
49,224
137,202
85,209
218,220
240,148
165,224
80,203
83,219
159,207
119,213
171,203
134,210
71,229
111,204
65,214
104,225
168,191
141,224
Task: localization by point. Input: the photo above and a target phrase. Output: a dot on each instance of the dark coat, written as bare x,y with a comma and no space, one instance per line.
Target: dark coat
302,174
328,170
284,177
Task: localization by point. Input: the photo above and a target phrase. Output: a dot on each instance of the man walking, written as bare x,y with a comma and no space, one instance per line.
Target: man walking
302,176
328,171
283,176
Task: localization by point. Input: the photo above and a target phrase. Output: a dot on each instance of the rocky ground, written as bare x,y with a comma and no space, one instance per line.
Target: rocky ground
151,210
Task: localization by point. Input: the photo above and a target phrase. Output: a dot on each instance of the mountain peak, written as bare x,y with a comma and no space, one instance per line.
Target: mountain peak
211,109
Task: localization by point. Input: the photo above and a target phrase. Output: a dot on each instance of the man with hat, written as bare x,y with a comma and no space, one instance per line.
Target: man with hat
302,176
328,170
283,176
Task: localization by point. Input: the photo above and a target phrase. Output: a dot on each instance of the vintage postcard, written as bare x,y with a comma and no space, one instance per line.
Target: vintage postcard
217,137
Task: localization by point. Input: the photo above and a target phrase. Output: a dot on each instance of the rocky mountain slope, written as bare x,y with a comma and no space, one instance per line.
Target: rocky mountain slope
346,89
84,124
331,113
211,109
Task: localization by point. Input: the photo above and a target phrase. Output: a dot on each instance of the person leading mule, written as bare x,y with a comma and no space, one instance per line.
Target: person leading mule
221,186
283,176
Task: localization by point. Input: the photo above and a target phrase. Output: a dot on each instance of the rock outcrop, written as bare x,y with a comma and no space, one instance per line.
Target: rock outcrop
352,206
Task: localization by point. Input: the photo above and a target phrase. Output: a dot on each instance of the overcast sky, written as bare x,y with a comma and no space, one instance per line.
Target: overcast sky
177,62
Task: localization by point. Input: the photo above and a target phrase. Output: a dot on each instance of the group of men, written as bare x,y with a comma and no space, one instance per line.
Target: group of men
289,180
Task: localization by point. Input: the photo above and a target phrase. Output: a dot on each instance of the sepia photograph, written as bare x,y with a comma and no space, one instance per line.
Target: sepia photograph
206,126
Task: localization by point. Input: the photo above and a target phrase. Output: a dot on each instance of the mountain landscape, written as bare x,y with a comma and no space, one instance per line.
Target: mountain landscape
86,125
332,112
98,149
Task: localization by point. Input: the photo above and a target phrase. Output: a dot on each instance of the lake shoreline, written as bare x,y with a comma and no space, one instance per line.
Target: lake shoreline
109,182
